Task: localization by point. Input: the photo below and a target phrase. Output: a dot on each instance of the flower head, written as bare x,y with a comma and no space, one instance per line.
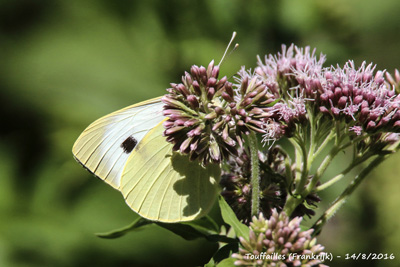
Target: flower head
361,97
289,68
198,123
207,116
278,241
358,95
283,74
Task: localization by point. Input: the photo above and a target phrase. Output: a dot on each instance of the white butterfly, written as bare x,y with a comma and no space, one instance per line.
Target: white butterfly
127,150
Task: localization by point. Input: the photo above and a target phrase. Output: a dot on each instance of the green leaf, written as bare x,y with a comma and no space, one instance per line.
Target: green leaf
229,262
385,152
304,227
225,252
211,263
202,228
230,218
185,231
139,222
221,238
205,224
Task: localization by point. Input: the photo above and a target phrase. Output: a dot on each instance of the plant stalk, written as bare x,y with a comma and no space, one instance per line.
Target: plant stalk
338,203
255,175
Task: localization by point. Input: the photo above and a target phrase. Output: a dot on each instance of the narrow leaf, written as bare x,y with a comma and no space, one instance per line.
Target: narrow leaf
205,225
183,230
225,252
221,238
197,229
230,218
139,222
229,262
211,263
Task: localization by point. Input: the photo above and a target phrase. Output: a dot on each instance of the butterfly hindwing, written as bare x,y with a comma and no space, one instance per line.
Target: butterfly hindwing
163,185
106,144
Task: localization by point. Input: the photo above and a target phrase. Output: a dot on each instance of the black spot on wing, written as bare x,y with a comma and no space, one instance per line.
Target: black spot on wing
129,144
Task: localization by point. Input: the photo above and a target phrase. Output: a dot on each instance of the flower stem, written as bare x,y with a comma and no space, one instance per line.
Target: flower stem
320,171
255,175
299,151
356,161
324,143
294,200
338,203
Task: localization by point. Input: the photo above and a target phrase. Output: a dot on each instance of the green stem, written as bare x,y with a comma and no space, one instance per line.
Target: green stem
312,137
356,161
255,175
327,139
338,135
322,168
294,200
338,203
301,164
304,172
298,158
288,171
335,179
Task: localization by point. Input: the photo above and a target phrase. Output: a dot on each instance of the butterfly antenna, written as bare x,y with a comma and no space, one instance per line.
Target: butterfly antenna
227,48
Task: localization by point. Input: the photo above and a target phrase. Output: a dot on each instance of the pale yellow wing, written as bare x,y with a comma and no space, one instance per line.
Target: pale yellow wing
104,147
165,186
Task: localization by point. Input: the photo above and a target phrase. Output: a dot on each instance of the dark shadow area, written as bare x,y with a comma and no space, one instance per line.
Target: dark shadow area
200,184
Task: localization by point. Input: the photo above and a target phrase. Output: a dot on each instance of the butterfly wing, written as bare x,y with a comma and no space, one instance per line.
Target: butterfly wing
162,185
105,145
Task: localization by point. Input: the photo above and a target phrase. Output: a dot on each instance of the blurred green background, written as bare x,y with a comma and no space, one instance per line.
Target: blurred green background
64,64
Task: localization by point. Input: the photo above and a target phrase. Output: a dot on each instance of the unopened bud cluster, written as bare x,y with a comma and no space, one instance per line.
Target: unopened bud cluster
280,238
209,117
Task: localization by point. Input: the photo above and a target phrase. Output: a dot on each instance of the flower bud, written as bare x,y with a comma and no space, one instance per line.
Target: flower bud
342,101
184,147
226,96
358,99
215,152
195,71
210,68
193,102
211,82
190,122
210,93
187,80
173,130
218,125
196,131
211,116
220,111
371,125
221,82
244,85
323,110
196,88
338,93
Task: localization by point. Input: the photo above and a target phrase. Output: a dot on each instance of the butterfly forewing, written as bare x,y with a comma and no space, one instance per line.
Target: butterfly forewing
104,147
